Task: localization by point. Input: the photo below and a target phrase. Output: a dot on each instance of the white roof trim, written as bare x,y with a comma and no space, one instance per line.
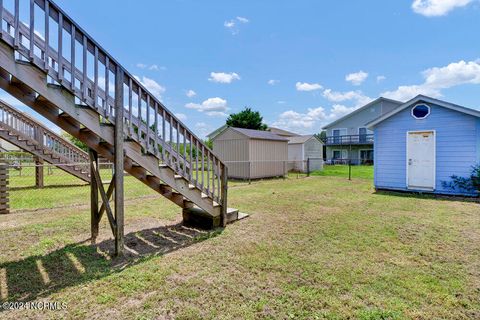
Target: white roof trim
423,98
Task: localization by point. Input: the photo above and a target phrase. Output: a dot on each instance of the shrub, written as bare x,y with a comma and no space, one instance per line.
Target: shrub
469,184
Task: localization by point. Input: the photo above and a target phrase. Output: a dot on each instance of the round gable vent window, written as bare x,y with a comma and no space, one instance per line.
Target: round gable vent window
420,111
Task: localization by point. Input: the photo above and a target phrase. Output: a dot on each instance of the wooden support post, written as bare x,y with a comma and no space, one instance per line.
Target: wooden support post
350,162
308,167
94,214
118,161
39,182
4,207
224,194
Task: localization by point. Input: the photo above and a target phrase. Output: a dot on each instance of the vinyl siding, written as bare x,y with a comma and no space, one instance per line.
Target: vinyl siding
457,146
359,120
232,148
313,148
269,158
295,152
248,158
295,157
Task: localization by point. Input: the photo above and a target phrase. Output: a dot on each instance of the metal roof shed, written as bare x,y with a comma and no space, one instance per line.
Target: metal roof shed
252,154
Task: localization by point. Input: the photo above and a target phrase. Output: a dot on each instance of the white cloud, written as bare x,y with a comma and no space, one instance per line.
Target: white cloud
190,93
454,74
357,96
312,120
203,129
243,20
229,24
273,82
281,102
435,8
181,116
356,78
405,93
222,77
339,110
233,24
438,78
153,67
304,86
215,107
156,67
381,78
154,87
300,121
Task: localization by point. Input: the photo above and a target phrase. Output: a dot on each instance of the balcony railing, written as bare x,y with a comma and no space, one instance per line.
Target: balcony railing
349,139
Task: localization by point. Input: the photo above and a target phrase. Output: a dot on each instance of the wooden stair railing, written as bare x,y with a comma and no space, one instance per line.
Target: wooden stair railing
75,62
31,136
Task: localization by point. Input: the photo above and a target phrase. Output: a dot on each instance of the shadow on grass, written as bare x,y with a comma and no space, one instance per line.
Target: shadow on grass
419,195
37,276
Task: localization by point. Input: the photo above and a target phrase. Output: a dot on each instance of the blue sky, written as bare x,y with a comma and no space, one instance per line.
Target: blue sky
301,63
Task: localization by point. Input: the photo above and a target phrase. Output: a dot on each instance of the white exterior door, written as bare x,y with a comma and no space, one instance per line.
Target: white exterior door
421,160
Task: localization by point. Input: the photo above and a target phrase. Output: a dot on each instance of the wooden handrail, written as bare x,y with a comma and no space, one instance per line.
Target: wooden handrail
31,129
146,120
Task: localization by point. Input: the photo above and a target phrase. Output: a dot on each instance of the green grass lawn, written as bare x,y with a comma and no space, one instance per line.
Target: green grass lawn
362,172
313,248
61,189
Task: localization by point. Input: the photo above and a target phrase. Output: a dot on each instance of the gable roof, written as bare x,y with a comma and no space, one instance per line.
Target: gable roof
258,134
422,98
282,132
212,135
361,109
300,139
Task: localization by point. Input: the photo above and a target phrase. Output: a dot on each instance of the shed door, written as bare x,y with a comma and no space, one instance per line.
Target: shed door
421,160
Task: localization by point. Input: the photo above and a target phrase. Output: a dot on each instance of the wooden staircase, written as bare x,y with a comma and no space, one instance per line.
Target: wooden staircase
84,93
35,138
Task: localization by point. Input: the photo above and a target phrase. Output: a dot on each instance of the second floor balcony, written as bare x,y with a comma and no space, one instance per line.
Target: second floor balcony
355,139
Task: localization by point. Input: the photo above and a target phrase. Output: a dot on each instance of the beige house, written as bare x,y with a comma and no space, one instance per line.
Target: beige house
252,154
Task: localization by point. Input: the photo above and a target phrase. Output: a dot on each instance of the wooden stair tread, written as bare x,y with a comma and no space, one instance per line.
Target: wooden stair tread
63,108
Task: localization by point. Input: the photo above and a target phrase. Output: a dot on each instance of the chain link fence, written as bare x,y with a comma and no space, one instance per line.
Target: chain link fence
253,170
33,185
59,188
348,168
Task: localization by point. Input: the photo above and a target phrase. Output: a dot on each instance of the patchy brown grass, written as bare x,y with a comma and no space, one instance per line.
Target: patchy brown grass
319,247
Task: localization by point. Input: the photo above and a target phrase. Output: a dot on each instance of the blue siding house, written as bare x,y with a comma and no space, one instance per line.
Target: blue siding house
422,143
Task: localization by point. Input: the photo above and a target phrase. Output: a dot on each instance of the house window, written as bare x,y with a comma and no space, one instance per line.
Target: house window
338,135
340,154
363,135
420,111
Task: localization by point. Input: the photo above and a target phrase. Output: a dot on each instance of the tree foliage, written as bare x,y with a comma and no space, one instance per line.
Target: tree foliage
209,143
471,183
77,142
322,136
248,119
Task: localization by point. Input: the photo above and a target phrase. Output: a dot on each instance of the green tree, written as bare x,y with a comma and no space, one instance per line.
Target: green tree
77,142
248,119
322,136
209,143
